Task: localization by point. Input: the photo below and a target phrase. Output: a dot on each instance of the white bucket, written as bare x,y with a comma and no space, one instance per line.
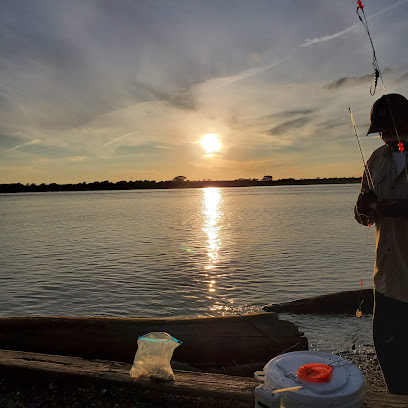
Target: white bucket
265,399
346,389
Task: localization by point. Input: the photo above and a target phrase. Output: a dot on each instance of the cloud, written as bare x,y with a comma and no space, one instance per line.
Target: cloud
7,140
291,112
348,81
288,125
149,148
179,98
352,81
219,82
318,40
164,147
41,161
301,118
403,77
117,139
35,141
77,158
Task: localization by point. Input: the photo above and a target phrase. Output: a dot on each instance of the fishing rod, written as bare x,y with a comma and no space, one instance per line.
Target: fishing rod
359,312
367,172
373,87
366,169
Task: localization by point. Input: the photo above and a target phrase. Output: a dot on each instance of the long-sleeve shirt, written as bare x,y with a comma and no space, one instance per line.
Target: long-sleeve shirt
391,261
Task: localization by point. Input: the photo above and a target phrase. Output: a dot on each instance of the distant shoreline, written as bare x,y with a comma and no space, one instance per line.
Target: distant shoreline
146,184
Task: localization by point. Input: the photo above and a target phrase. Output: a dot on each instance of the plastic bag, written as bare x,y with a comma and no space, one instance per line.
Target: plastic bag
153,356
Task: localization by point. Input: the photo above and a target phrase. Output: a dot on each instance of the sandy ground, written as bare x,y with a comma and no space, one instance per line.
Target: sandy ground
368,364
40,394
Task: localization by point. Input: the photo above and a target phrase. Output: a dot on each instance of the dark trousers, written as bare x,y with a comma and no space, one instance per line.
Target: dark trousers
390,333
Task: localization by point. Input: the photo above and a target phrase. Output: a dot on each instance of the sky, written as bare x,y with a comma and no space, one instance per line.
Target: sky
94,90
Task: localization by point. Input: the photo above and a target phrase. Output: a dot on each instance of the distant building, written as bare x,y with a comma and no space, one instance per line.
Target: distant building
267,178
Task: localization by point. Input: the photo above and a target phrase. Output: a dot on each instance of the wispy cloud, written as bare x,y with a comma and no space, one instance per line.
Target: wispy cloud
352,81
289,125
181,99
116,140
35,141
248,73
77,158
292,112
164,147
348,81
318,40
403,78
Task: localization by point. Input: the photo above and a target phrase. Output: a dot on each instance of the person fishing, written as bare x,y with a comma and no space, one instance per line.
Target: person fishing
383,201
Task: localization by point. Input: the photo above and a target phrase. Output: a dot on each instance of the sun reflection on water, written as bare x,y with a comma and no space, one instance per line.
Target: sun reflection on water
212,214
212,211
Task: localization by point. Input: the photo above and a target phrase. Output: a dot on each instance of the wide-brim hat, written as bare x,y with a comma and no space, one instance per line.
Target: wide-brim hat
388,112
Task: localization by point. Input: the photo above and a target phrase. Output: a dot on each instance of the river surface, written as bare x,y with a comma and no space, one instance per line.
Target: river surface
184,253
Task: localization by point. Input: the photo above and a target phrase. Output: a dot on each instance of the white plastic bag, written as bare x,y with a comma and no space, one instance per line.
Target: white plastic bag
153,356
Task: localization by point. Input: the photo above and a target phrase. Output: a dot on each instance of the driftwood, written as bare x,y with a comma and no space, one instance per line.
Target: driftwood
23,367
74,369
335,303
207,342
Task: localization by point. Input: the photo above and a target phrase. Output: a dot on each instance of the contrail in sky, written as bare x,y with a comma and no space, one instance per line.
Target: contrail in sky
223,81
35,141
115,140
318,40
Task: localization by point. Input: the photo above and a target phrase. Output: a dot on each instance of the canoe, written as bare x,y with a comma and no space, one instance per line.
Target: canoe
345,302
207,342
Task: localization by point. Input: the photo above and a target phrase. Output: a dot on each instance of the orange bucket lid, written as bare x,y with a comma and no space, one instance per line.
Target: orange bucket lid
315,372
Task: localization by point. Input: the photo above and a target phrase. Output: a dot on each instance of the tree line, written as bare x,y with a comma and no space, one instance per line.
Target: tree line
176,182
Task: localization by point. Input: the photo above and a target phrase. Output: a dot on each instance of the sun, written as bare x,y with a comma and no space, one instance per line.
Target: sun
210,143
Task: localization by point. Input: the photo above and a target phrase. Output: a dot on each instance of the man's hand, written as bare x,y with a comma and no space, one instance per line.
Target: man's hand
366,203
393,208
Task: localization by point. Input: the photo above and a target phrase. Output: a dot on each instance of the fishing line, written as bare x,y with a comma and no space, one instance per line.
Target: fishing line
378,74
274,342
377,71
359,312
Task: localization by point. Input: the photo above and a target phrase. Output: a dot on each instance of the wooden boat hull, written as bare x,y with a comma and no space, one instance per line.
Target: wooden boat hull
213,341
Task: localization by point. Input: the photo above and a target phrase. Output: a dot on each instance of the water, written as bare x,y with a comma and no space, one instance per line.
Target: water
191,252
